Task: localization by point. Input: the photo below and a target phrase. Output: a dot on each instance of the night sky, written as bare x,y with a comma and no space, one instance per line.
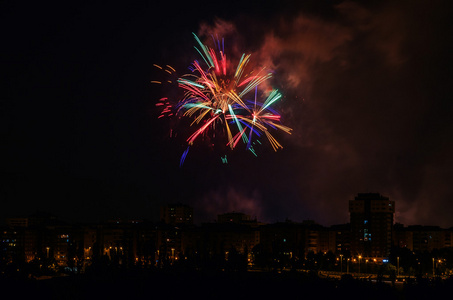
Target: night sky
367,90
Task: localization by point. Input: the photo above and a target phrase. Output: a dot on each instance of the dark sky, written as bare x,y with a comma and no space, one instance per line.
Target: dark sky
367,90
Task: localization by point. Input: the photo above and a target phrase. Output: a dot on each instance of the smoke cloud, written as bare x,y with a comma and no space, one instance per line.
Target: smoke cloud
229,199
365,94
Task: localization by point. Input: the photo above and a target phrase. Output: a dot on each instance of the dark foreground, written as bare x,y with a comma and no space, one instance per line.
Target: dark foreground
216,285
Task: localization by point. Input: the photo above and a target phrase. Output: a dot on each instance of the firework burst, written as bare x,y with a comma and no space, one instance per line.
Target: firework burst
224,100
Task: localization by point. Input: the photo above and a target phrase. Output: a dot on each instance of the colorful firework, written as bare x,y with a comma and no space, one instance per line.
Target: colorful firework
223,100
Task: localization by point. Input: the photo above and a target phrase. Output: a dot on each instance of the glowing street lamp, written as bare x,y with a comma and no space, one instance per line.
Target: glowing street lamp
433,267
398,266
360,257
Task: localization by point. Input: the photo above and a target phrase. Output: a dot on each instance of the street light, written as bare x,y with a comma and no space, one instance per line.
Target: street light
433,266
398,266
341,263
360,257
366,265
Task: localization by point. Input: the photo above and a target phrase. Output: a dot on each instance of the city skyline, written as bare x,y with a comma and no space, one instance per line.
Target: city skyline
175,240
192,214
366,88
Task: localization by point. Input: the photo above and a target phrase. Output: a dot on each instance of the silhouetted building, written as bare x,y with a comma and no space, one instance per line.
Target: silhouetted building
176,214
116,240
168,244
90,245
234,241
41,218
238,218
342,238
215,242
233,217
146,244
420,238
318,238
285,241
402,237
11,249
17,222
371,216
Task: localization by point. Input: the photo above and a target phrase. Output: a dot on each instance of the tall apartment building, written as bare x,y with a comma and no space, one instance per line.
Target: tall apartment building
371,218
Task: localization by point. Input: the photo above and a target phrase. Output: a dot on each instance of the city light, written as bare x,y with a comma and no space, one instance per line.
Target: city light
235,237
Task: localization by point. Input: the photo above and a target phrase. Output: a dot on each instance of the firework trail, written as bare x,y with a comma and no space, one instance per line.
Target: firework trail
224,100
164,103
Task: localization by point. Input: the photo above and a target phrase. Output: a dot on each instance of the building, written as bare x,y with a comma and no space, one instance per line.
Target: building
176,214
238,218
146,241
318,238
117,241
233,217
342,238
419,238
215,242
10,246
371,218
16,222
402,237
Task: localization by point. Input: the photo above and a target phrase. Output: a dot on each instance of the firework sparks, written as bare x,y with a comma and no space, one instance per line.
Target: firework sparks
223,100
